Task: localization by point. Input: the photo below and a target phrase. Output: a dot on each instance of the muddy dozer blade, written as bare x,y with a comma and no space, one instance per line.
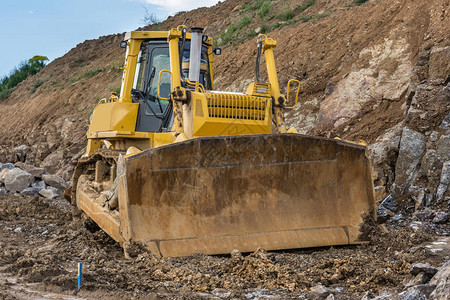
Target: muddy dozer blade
216,194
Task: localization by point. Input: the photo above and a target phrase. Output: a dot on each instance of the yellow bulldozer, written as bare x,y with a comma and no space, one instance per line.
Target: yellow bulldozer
176,167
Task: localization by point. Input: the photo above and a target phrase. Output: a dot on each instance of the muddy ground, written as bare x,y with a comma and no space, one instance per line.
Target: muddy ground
40,246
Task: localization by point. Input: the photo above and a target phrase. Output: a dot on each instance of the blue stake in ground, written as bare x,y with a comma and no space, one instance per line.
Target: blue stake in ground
80,275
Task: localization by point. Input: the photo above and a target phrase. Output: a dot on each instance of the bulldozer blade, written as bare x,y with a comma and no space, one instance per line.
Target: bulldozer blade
216,194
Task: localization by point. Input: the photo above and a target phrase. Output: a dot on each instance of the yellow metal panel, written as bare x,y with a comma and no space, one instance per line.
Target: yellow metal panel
117,116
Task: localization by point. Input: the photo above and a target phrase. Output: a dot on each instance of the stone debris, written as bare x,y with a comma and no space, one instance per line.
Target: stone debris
30,180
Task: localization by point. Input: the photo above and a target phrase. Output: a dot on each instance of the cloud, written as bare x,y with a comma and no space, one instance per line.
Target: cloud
173,6
31,12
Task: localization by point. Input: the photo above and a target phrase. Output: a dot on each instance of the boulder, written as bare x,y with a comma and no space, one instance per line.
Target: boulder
17,180
35,171
30,191
49,193
21,152
442,281
424,289
2,192
55,181
422,268
412,146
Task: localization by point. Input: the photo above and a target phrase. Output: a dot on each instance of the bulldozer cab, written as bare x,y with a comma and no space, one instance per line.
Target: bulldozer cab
156,114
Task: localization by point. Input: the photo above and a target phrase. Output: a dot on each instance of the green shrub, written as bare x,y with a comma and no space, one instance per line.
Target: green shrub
264,10
87,74
305,18
287,15
244,22
20,73
359,2
37,84
302,8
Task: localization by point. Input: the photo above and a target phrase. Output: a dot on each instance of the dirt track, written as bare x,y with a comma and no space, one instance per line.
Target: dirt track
40,247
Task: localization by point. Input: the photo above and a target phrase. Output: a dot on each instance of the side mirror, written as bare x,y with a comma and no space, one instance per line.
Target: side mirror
217,51
123,44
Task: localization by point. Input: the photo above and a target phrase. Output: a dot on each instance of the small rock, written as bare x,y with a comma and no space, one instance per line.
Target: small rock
389,203
38,185
17,180
8,166
420,278
2,192
367,296
236,254
412,294
2,175
382,215
330,297
18,229
434,136
422,268
428,199
320,291
425,214
49,193
29,191
55,181
440,217
397,217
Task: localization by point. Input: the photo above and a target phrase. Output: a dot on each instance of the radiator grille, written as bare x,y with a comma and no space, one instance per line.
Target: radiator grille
235,106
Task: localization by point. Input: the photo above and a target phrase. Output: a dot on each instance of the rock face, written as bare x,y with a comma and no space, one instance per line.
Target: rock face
17,180
412,146
442,282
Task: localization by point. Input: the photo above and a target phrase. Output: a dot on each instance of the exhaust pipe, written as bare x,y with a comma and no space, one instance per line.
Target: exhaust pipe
195,54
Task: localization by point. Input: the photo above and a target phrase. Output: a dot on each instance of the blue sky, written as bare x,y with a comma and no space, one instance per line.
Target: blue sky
53,27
